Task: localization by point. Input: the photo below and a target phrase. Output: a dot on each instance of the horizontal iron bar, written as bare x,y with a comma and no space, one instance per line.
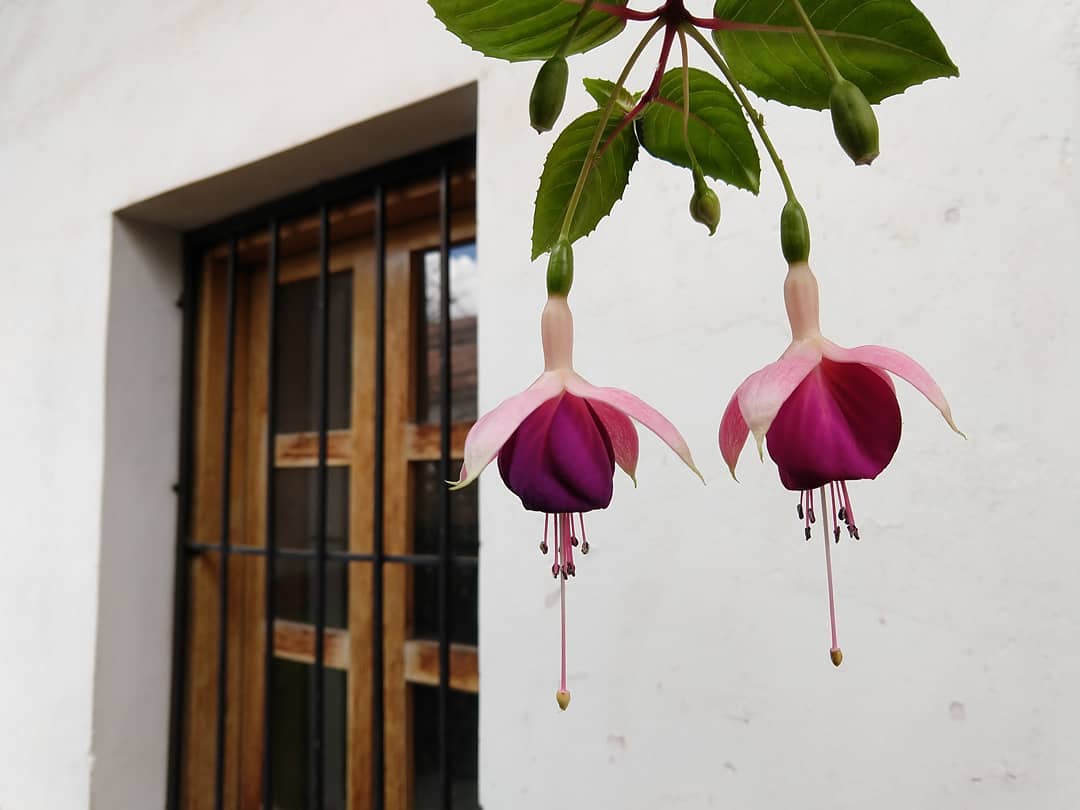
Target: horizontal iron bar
340,556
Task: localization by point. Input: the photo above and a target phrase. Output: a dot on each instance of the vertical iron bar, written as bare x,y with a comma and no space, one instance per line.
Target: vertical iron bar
378,758
444,492
223,569
271,528
322,399
182,581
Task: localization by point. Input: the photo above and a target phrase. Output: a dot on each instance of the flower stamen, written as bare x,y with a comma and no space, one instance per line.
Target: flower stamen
584,540
832,500
544,542
566,534
849,513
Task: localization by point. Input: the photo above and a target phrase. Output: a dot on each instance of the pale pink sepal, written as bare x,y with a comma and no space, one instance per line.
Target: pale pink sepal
491,430
623,436
898,363
763,392
733,433
639,410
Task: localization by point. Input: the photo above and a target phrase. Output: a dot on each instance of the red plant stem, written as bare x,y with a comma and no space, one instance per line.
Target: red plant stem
650,94
624,13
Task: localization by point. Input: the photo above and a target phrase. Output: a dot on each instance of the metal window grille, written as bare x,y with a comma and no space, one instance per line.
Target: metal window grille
440,163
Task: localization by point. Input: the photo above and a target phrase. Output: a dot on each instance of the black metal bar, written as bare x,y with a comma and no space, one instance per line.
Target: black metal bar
444,492
331,555
456,154
178,696
223,568
378,749
271,527
322,307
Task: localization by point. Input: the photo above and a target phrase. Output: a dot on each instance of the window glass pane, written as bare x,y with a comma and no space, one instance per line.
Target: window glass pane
428,487
463,602
296,344
293,685
296,583
462,748
464,545
464,286
296,507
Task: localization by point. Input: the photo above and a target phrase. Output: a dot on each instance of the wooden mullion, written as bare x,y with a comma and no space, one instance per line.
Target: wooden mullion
362,454
201,705
251,600
401,309
422,441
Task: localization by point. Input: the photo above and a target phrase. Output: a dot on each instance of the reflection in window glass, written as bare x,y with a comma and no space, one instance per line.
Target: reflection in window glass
296,527
428,487
293,685
464,286
464,718
296,346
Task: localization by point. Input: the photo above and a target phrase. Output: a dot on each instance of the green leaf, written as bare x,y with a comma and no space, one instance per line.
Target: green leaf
600,90
519,30
718,132
883,46
604,185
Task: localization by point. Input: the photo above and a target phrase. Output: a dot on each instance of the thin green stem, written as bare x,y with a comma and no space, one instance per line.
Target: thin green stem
585,8
804,18
755,117
686,99
605,115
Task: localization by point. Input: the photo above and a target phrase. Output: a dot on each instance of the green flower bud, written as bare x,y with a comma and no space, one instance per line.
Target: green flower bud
854,122
560,270
548,94
704,205
794,233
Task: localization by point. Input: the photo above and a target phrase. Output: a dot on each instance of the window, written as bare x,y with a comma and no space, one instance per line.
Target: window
326,588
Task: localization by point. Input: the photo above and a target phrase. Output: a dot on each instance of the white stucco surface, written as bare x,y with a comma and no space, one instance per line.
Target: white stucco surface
698,627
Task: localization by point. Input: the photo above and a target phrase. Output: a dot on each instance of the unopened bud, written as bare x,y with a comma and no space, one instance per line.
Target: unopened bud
794,239
560,269
704,205
854,122
548,94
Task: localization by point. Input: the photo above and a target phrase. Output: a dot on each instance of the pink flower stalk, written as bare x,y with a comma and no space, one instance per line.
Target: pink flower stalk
827,414
557,444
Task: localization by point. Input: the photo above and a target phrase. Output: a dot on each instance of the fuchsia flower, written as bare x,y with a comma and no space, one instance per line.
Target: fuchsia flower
827,414
558,442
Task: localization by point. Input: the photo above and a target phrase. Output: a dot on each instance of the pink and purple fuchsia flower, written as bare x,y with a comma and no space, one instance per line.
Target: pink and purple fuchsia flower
827,414
557,444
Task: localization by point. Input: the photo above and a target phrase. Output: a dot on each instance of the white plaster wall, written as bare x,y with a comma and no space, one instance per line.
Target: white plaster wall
698,626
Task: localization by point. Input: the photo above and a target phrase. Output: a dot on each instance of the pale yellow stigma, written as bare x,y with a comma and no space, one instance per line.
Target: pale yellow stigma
836,656
562,697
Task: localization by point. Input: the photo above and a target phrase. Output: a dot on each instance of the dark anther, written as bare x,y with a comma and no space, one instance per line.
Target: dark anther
555,570
807,532
543,547
585,547
574,541
842,514
570,570
799,510
836,533
855,532
813,517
